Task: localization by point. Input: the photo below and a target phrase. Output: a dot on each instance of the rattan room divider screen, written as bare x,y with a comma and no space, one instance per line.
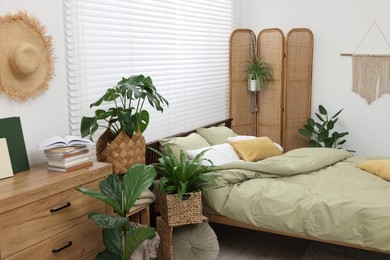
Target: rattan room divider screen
285,104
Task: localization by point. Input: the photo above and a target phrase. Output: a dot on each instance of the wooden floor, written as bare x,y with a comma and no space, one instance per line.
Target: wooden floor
244,244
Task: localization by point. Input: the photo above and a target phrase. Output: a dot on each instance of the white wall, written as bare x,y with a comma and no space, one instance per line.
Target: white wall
338,27
45,115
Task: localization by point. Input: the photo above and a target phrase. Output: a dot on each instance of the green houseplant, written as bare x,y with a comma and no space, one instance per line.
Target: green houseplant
258,74
181,183
127,113
125,121
119,237
320,132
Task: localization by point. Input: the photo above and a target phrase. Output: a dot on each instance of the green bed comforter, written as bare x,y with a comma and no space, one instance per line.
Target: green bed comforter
317,192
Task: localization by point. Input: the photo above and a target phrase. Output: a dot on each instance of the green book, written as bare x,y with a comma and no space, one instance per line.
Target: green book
11,130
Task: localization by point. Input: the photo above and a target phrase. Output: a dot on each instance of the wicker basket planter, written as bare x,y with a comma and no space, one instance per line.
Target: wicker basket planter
121,151
176,212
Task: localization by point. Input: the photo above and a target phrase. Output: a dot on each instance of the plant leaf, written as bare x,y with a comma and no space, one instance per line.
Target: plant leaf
322,110
108,221
135,238
112,239
137,179
101,197
88,126
112,188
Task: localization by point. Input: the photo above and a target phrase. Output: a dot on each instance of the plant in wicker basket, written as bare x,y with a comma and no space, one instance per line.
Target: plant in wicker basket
119,237
181,183
123,144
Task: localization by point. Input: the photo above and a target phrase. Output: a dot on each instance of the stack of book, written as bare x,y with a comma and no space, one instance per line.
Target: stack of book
67,159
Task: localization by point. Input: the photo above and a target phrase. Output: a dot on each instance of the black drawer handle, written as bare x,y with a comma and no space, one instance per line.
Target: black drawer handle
62,248
62,207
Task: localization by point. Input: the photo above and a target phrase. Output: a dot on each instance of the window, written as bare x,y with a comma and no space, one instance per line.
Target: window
182,44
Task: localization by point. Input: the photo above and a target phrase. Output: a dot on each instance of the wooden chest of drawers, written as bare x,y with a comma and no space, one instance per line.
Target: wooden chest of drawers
43,216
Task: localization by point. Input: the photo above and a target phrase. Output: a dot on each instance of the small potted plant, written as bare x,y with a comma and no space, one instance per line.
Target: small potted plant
258,74
123,144
181,183
119,237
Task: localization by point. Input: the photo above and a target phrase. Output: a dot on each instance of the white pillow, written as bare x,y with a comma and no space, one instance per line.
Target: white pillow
218,154
249,137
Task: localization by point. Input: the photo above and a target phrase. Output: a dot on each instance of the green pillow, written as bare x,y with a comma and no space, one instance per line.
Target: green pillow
216,134
190,142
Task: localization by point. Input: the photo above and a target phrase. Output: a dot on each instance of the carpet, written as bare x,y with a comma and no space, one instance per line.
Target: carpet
323,251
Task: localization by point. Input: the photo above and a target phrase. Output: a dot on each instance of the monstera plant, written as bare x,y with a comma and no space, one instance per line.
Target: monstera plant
127,112
119,237
126,118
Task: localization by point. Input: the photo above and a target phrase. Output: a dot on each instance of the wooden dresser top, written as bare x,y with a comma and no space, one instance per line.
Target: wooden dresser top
38,183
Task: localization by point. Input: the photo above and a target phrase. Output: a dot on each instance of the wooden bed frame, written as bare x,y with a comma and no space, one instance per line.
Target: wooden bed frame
152,157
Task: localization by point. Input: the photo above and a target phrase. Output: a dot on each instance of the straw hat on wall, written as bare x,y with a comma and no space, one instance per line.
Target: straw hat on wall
26,56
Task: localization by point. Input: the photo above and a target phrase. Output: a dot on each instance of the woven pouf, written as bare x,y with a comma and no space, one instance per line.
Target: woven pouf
195,242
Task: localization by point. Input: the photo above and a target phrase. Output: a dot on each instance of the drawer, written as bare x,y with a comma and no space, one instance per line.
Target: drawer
79,242
27,225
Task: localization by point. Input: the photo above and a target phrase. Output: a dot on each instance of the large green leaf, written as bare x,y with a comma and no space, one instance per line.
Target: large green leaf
112,240
143,120
101,197
135,238
88,126
137,179
112,188
108,221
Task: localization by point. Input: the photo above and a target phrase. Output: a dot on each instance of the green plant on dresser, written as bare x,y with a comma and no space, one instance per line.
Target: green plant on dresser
127,112
126,118
119,237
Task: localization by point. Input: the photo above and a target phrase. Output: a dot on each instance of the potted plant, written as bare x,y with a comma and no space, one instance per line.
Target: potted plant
320,133
181,183
258,74
122,144
119,237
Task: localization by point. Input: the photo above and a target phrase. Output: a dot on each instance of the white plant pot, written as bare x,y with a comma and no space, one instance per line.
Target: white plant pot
253,86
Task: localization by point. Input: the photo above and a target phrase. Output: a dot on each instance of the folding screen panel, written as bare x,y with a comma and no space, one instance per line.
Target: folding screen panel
270,48
244,122
285,104
298,84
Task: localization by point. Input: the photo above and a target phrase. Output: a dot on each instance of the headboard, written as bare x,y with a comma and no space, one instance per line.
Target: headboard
152,157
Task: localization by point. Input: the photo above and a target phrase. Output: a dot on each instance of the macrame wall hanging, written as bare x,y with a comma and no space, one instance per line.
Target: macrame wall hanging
370,72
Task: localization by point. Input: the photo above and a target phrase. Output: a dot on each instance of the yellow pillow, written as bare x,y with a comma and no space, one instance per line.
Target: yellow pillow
253,150
380,168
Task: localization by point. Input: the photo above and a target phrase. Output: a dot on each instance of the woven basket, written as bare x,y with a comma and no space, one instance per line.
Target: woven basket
176,212
121,151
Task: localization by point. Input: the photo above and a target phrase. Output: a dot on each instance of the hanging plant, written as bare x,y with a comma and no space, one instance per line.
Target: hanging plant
258,74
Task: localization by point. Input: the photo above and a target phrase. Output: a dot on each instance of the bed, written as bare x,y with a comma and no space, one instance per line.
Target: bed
313,193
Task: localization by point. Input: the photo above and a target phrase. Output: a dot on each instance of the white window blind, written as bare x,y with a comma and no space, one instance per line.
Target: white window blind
182,45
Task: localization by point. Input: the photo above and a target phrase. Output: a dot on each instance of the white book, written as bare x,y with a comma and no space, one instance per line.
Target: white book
67,164
5,161
68,159
57,141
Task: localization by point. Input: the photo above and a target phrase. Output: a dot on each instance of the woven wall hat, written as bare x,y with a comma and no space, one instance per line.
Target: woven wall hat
26,56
